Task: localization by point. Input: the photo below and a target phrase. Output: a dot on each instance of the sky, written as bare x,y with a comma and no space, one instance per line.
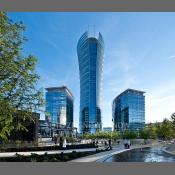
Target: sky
139,54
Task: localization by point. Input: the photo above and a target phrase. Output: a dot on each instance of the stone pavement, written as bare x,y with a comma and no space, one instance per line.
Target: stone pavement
98,157
13,154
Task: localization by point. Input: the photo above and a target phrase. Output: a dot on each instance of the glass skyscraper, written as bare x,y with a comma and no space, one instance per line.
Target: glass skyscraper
90,51
128,110
59,106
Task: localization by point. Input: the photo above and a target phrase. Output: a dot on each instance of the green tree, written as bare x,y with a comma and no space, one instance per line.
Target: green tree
89,136
133,135
173,117
18,78
165,130
129,134
144,133
152,130
102,135
115,135
173,121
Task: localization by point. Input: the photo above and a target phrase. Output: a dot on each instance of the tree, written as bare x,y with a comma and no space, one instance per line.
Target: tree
89,136
129,134
152,130
144,133
18,78
173,121
173,117
102,135
115,135
164,130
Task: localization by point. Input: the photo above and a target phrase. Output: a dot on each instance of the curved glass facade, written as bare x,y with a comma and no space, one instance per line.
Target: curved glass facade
90,51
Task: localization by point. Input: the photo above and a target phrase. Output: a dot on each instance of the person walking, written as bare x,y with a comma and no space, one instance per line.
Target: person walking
55,139
64,143
129,144
109,143
96,143
125,144
61,142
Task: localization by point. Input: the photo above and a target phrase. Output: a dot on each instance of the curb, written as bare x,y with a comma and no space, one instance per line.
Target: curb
164,149
120,151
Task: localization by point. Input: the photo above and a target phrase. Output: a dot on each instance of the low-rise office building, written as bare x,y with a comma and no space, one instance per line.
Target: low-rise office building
128,110
59,108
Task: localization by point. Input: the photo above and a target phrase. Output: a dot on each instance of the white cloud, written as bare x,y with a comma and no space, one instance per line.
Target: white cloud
160,102
171,57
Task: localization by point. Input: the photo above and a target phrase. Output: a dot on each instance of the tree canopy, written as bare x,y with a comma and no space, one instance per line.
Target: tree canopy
103,135
18,78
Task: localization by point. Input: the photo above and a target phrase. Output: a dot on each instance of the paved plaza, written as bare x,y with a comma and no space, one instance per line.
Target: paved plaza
98,157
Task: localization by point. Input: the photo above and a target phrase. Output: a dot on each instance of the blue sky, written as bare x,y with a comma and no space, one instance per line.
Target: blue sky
139,54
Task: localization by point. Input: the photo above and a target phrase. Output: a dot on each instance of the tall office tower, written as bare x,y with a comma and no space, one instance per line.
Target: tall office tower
90,51
128,110
59,106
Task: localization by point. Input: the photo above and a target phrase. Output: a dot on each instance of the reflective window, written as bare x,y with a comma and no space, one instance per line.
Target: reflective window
129,110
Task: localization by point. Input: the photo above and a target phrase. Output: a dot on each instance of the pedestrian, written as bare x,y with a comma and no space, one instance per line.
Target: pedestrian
61,143
64,143
105,143
129,144
55,139
109,143
97,143
93,143
125,144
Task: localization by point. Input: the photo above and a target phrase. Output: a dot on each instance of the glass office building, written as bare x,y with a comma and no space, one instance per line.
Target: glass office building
59,106
107,129
90,51
128,110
